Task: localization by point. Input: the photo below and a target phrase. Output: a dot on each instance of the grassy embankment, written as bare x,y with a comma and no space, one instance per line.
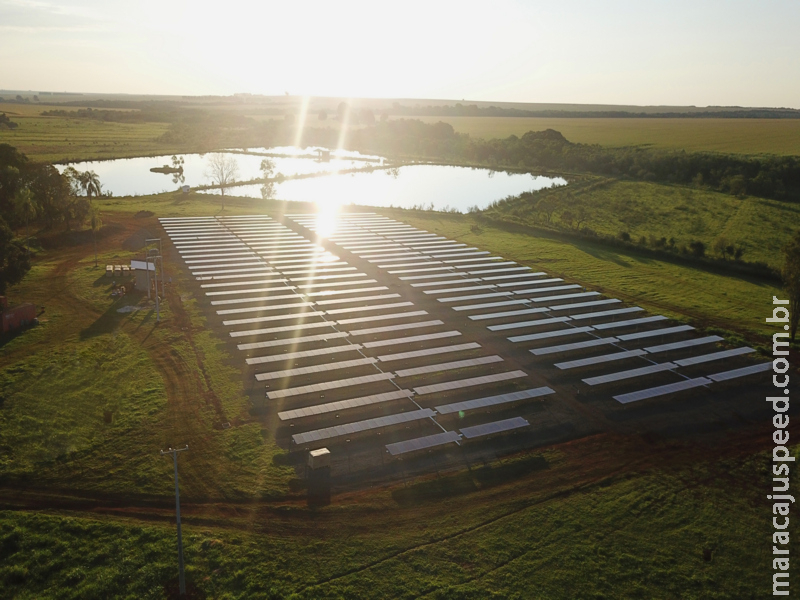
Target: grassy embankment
734,136
609,207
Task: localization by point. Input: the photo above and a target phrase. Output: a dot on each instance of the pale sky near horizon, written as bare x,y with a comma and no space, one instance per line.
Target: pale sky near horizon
712,52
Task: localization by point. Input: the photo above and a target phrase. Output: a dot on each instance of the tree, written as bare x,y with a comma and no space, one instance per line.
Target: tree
698,248
96,223
267,168
791,281
24,206
222,169
15,260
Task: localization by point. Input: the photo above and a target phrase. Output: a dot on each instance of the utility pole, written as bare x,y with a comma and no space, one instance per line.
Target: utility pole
181,578
160,253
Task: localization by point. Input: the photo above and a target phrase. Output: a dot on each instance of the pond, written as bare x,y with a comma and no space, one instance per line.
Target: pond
132,176
426,186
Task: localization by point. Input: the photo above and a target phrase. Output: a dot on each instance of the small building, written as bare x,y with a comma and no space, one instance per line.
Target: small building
319,458
16,317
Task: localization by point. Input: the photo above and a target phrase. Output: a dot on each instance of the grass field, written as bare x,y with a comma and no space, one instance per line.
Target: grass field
642,209
86,506
569,530
734,136
51,139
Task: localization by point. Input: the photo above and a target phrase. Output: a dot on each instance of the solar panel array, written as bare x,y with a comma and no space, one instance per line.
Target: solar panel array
547,314
330,340
344,351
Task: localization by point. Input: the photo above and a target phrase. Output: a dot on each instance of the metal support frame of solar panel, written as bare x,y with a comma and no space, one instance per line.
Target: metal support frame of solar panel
423,443
662,390
327,433
339,405
489,401
493,428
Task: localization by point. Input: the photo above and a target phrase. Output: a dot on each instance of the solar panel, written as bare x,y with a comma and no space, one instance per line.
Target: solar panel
585,304
239,283
489,401
549,334
630,373
520,324
376,258
428,352
339,311
412,339
420,270
304,354
333,366
251,290
491,305
422,443
227,271
449,366
360,299
473,297
461,254
508,313
575,346
684,344
596,360
284,329
438,246
449,274
210,257
233,311
326,270
294,340
696,360
254,299
513,275
361,426
449,282
565,297
414,264
473,260
329,385
606,313
493,428
485,271
401,327
326,277
404,315
655,332
515,283
462,383
330,284
254,263
284,317
661,390
630,322
469,288
743,372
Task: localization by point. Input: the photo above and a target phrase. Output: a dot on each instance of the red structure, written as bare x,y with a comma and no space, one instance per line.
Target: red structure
16,317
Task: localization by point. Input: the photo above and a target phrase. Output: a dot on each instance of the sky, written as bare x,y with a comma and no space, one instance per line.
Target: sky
699,52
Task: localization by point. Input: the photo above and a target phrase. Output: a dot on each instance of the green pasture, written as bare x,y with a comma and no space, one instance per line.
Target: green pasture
660,533
758,225
733,136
